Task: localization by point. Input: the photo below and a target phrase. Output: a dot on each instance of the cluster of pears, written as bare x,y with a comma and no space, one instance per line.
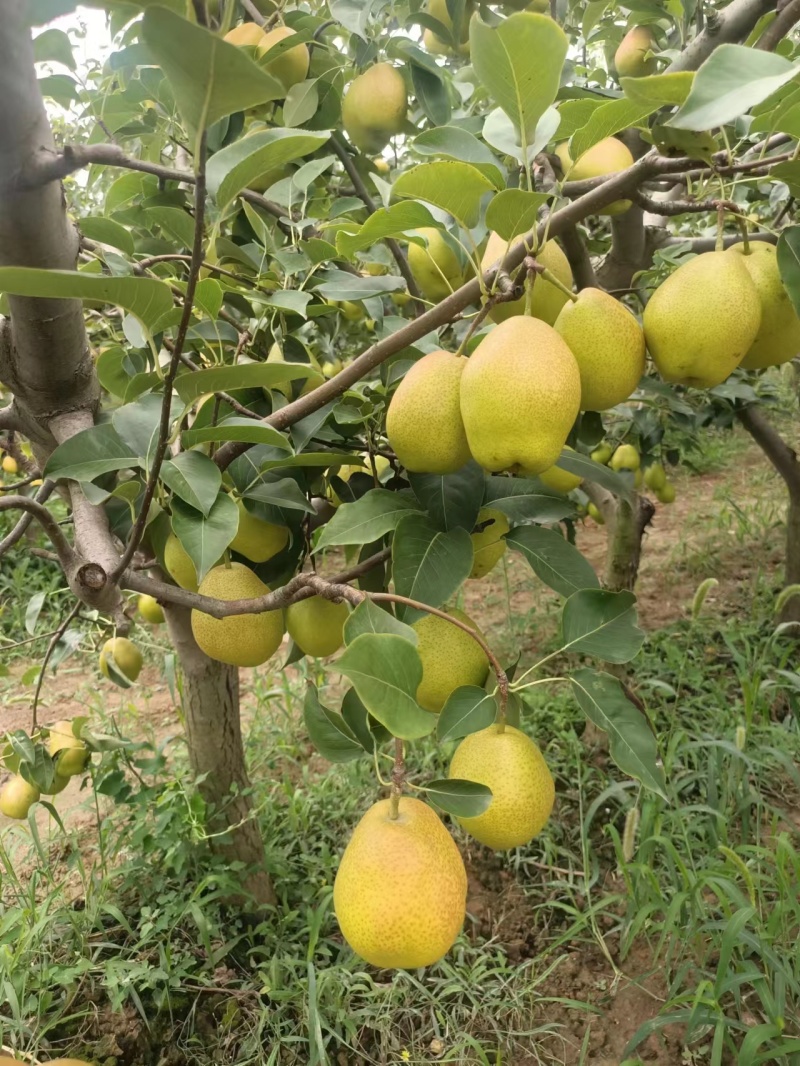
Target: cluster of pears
626,457
289,67
70,757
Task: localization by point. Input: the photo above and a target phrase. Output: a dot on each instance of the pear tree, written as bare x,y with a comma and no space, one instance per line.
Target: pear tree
290,332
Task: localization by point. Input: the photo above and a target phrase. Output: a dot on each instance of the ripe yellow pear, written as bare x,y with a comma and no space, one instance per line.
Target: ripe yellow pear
69,751
629,59
179,565
423,422
450,658
289,67
17,797
608,345
778,337
374,107
316,625
256,539
10,465
700,323
150,610
626,457
520,396
606,157
401,888
433,43
436,268
523,793
239,639
547,299
126,657
246,35
560,480
488,545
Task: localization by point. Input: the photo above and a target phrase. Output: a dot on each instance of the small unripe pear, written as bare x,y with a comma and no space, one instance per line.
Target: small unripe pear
629,58
626,457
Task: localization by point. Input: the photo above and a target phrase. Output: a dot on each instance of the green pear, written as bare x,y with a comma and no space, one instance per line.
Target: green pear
450,658
316,625
520,396
608,345
179,565
602,452
547,299
423,423
700,323
626,457
778,337
374,107
488,544
631,59
560,480
594,512
606,157
434,44
257,539
667,493
436,268
655,477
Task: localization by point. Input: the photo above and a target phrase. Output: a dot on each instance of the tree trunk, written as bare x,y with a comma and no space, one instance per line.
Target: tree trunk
784,459
214,740
625,542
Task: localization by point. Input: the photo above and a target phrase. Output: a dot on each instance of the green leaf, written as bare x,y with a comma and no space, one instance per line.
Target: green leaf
53,46
607,120
553,559
431,94
301,103
385,222
329,733
107,231
367,730
89,454
146,298
428,564
138,424
526,500
574,114
467,710
457,188
33,610
208,297
514,211
789,263
295,301
631,742
340,285
452,142
209,77
386,671
237,427
451,500
601,623
733,79
368,617
205,537
376,513
589,470
659,89
190,386
242,162
194,477
282,492
519,63
462,799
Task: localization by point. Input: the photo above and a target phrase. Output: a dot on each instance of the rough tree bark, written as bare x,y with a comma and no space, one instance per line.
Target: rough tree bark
626,524
784,459
45,361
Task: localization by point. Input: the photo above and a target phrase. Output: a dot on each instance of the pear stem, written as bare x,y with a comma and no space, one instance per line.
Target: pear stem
226,559
534,267
720,245
742,223
398,779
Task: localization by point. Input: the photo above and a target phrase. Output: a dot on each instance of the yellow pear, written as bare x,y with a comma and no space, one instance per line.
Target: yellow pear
436,268
150,610
423,422
626,457
700,323
289,67
256,539
10,465
246,35
17,797
433,43
401,888
520,396
523,793
606,157
374,107
778,337
560,480
69,751
450,658
316,625
547,299
488,545
629,59
179,565
239,639
608,345
126,657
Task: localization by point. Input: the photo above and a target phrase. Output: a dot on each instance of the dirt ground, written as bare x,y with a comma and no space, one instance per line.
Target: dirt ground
686,543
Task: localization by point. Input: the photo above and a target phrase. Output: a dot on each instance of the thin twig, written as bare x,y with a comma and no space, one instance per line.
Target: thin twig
64,549
51,647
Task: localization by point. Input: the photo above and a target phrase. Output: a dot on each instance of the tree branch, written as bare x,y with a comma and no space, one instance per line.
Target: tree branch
66,554
9,420
579,259
777,29
782,457
628,250
166,405
20,529
728,26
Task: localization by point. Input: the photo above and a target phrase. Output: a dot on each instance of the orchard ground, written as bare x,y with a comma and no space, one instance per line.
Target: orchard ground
570,953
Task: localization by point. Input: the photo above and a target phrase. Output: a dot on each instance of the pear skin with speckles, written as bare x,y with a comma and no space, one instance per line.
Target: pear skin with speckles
547,300
778,337
700,323
401,889
450,658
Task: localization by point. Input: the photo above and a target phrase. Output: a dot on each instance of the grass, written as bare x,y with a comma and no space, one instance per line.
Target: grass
115,940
